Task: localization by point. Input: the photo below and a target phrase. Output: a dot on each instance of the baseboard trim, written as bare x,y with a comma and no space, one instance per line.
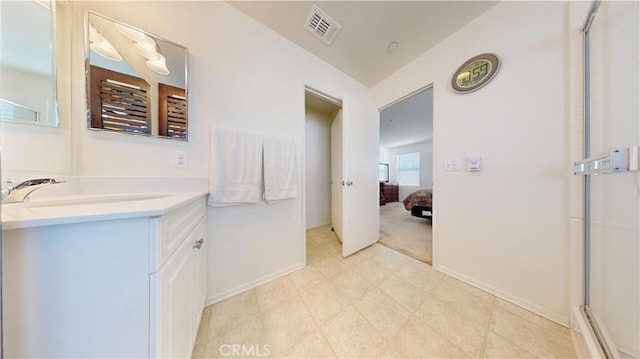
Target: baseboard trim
555,317
219,297
584,339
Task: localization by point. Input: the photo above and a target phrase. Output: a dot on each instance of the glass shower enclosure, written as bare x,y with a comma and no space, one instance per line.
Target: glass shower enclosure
612,180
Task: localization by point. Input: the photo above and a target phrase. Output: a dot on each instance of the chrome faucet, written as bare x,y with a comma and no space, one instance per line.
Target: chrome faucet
13,194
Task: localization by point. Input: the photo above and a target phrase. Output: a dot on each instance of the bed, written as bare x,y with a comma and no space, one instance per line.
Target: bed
419,203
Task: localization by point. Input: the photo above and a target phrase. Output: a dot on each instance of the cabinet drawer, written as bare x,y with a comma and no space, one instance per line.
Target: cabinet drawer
168,231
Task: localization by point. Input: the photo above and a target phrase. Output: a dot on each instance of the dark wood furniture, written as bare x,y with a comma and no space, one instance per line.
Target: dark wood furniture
172,114
388,192
119,102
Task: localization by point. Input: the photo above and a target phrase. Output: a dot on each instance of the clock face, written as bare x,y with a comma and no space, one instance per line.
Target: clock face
475,73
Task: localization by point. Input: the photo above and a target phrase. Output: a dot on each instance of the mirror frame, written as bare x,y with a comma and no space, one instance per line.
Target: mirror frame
383,167
55,111
87,55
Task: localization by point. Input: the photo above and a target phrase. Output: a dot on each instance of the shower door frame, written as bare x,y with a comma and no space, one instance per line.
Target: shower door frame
614,161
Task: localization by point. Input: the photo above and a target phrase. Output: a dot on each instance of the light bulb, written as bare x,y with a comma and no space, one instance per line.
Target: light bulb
135,35
106,50
147,51
159,66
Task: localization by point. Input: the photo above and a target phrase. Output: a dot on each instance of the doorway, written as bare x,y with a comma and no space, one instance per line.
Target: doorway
323,166
406,175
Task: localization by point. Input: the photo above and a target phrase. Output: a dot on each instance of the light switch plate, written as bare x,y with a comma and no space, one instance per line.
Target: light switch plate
452,165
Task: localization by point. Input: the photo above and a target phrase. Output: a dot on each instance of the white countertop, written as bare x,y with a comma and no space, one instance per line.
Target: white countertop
87,208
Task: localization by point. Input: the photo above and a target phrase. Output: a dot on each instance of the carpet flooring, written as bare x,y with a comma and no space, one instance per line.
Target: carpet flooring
404,233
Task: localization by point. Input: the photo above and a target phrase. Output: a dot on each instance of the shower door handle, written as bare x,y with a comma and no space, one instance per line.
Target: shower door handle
614,161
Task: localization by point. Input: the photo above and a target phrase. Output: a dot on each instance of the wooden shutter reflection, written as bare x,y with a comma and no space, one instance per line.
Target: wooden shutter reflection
172,111
119,102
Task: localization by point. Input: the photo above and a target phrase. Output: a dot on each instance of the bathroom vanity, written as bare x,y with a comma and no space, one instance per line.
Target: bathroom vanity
108,276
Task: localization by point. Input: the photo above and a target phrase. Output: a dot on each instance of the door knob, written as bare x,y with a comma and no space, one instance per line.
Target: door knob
349,183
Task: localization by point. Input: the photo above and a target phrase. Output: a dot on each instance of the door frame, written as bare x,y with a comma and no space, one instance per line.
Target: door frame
360,141
434,169
336,100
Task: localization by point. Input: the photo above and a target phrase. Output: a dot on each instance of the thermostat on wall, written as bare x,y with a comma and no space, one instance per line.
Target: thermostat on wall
473,163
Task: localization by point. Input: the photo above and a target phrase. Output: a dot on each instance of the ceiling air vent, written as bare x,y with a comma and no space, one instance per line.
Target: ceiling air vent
322,26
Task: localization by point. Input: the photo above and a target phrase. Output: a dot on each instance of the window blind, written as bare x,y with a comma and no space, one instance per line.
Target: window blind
119,102
409,169
172,111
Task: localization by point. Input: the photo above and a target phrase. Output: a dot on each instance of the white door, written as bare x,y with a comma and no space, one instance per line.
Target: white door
336,175
360,157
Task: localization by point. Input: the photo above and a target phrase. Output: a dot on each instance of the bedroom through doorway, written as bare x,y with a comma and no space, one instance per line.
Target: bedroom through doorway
406,175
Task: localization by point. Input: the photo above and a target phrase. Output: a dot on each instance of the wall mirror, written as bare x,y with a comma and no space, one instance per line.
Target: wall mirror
136,81
27,62
383,172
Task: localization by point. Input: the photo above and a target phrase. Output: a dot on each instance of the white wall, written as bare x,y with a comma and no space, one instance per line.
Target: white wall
426,166
384,155
515,237
242,76
318,166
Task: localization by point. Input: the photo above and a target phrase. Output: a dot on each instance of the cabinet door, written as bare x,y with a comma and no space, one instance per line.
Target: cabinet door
200,273
173,324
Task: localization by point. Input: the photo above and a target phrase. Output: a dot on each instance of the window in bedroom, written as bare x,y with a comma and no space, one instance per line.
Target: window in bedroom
409,169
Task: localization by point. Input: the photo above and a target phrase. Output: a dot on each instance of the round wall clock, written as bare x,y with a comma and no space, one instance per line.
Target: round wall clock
475,73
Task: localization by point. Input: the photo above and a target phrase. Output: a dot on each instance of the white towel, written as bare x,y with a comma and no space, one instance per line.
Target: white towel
280,172
236,168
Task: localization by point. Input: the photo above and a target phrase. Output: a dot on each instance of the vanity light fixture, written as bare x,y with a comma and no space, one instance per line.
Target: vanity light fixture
106,50
146,47
147,50
101,46
133,34
159,65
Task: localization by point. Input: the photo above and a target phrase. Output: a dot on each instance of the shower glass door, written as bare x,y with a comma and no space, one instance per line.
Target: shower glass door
612,189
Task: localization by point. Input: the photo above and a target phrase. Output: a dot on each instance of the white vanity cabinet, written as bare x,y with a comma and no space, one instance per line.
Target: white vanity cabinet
131,286
179,288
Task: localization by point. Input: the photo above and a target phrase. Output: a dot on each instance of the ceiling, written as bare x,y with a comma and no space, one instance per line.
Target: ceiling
368,27
408,121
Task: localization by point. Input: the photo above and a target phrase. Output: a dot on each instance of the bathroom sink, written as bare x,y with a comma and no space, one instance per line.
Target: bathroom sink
91,199
81,208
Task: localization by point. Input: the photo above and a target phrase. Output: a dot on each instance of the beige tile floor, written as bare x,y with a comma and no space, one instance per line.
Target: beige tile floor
376,303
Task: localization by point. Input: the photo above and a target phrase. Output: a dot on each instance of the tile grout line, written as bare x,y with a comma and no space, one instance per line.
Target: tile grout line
319,324
516,345
351,303
371,324
319,330
547,331
488,328
450,306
